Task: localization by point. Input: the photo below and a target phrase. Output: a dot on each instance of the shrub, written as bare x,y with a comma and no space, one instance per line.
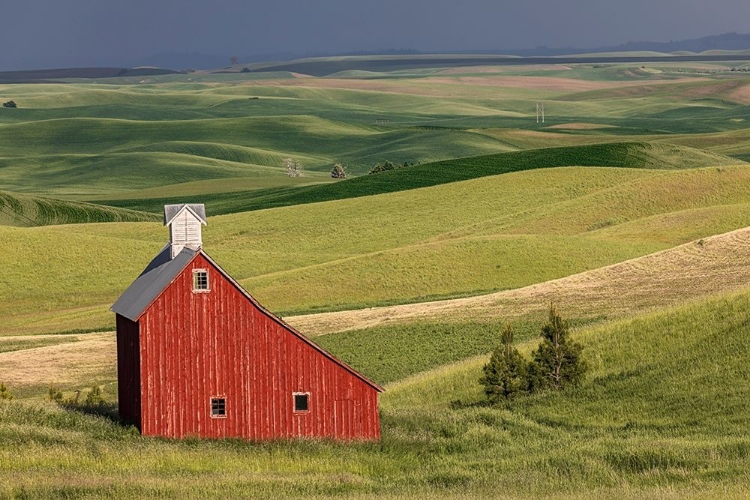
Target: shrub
338,171
293,167
94,397
5,392
506,375
54,394
10,104
557,363
382,167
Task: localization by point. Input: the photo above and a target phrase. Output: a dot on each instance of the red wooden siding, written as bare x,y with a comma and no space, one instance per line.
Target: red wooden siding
128,371
195,346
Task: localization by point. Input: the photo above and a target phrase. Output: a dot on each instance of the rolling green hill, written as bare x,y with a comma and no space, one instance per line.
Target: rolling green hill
511,230
21,210
623,155
609,208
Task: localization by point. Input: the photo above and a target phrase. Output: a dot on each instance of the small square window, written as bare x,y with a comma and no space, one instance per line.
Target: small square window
301,401
200,280
218,407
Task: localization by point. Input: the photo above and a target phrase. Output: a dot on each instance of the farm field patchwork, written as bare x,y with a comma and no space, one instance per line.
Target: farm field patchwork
514,230
627,207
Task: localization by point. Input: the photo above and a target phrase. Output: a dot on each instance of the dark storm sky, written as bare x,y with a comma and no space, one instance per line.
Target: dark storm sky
56,33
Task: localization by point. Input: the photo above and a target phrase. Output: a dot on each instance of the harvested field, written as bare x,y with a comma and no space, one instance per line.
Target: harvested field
698,269
64,364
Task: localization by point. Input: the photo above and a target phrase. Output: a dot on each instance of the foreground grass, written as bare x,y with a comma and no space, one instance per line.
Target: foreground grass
662,414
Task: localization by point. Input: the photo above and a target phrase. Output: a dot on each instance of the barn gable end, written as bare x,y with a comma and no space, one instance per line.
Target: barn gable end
212,362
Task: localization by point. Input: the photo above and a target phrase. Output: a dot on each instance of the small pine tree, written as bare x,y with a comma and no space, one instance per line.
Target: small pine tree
94,397
506,375
557,363
338,171
5,392
54,394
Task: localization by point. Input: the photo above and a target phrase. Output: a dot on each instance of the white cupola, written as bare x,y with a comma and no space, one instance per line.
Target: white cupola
184,221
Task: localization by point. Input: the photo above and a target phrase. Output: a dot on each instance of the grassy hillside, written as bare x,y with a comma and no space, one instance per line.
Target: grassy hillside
399,247
98,139
623,155
662,414
700,268
22,210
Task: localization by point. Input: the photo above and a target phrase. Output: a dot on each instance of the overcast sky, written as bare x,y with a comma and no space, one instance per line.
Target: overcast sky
57,33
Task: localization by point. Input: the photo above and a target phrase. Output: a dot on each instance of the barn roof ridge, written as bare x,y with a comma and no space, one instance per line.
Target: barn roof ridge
163,270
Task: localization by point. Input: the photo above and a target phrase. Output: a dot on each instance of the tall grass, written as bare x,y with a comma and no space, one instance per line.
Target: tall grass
663,414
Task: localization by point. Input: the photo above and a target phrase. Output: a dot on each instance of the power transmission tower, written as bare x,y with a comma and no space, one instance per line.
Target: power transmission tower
539,111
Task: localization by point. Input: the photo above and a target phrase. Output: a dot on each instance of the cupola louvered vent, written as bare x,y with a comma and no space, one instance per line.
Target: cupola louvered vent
184,223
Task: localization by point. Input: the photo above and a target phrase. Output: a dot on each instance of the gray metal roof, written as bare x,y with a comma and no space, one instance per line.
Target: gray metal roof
171,211
158,274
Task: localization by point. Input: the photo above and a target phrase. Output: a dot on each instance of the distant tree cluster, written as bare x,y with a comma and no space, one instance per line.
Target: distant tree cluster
556,364
338,171
293,167
388,165
10,104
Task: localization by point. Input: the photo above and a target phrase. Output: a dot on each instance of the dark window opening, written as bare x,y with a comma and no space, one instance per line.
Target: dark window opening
218,407
301,402
200,280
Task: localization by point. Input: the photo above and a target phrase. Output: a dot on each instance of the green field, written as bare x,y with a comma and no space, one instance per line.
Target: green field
626,207
663,414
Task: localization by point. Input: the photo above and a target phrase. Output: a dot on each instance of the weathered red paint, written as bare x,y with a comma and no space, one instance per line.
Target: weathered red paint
193,346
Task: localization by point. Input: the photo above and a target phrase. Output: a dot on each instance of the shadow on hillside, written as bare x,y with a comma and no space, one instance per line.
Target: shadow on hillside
106,410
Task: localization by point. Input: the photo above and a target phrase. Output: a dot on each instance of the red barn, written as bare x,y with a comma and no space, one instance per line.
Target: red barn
198,356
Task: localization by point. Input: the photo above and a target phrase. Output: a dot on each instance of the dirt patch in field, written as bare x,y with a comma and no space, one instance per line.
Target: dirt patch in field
525,82
741,95
63,364
714,90
502,69
698,269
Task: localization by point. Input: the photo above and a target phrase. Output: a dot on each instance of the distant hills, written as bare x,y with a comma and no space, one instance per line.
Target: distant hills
727,41
194,60
35,75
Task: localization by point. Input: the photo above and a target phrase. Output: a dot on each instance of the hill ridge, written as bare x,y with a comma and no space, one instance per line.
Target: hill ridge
696,269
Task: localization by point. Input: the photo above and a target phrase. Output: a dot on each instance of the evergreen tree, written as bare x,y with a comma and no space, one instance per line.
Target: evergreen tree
5,392
506,375
557,363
